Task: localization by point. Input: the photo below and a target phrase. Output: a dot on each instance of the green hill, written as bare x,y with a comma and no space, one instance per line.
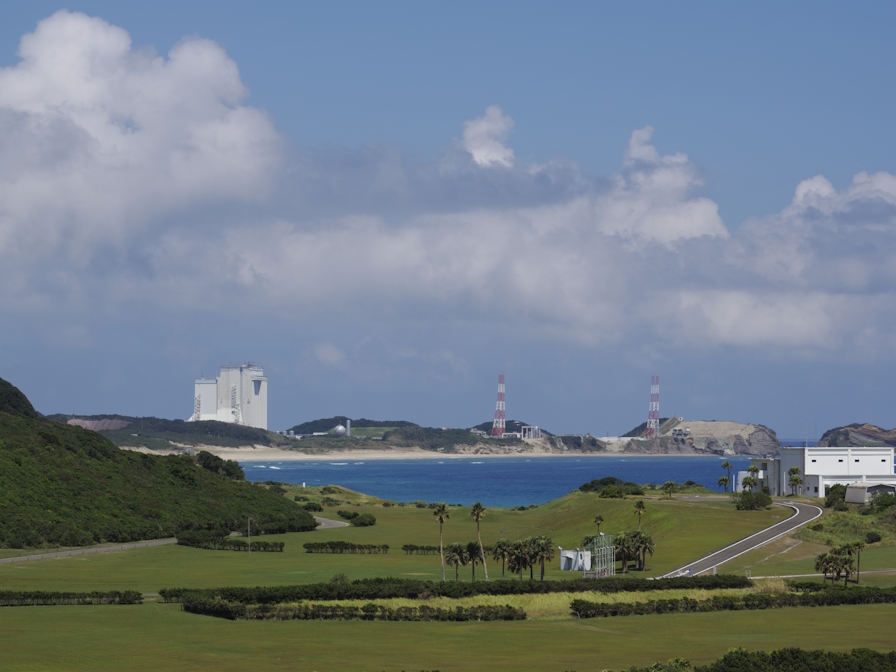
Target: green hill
326,424
159,433
62,484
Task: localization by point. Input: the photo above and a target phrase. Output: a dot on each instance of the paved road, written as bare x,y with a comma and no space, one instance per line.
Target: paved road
327,524
88,551
805,513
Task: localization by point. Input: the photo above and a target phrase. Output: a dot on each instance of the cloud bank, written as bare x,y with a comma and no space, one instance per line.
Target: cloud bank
128,177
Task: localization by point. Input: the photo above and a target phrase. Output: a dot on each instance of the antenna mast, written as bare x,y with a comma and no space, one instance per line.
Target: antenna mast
498,424
653,411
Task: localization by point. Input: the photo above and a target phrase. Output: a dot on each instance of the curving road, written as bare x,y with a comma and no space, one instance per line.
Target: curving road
88,551
805,513
328,524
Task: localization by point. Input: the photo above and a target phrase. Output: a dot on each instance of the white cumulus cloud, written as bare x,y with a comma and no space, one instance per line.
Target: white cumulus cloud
484,138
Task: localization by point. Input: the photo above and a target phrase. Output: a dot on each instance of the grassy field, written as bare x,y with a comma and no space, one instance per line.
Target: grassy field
159,636
683,530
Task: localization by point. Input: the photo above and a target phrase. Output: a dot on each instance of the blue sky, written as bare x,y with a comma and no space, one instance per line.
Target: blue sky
387,204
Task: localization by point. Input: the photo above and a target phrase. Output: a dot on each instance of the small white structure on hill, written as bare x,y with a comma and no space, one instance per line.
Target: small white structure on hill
822,467
239,395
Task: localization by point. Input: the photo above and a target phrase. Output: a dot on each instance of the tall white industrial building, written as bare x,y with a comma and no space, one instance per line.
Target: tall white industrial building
239,395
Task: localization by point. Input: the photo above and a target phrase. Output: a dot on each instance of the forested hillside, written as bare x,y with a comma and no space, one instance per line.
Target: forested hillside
62,484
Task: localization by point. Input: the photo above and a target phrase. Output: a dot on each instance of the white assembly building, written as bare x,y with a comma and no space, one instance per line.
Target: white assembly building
239,395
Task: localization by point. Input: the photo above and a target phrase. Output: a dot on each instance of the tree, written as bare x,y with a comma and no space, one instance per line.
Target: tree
441,514
530,547
754,470
749,482
545,550
794,482
723,482
727,465
623,549
455,554
823,565
639,507
641,544
598,519
517,557
474,553
501,551
669,488
858,547
477,513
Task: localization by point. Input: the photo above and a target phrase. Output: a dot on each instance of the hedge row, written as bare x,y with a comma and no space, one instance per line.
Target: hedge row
411,549
783,660
369,612
10,598
214,543
344,547
386,588
823,598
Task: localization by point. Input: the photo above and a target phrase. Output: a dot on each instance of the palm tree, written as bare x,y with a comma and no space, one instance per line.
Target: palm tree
749,482
477,513
639,507
669,487
598,519
474,553
623,546
441,514
517,557
530,550
642,544
501,551
823,564
545,550
794,482
723,482
727,465
455,555
858,547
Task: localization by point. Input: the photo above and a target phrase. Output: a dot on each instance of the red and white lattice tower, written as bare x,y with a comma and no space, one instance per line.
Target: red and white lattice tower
498,424
653,412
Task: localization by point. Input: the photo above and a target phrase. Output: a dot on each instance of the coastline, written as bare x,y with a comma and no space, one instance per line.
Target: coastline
268,454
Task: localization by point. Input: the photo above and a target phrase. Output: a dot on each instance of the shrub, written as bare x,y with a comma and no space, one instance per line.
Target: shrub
348,515
300,498
340,579
344,547
364,520
841,506
872,537
329,501
752,501
834,494
818,527
330,490
313,506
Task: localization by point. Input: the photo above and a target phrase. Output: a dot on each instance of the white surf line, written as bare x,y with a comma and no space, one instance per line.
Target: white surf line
755,534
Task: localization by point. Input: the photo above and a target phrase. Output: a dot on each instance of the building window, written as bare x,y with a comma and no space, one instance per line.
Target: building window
856,460
813,460
839,460
816,488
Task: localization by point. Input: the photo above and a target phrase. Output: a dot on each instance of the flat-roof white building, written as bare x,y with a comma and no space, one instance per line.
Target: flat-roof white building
239,395
822,467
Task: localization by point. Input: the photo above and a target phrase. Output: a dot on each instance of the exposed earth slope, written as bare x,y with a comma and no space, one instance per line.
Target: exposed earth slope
859,434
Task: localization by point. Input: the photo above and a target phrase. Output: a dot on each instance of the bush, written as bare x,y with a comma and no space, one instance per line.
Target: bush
822,598
752,501
9,598
836,493
348,515
313,506
344,547
818,527
364,520
300,498
841,506
330,490
872,537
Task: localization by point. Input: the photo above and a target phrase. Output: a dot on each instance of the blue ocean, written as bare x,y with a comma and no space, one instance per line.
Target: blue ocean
496,482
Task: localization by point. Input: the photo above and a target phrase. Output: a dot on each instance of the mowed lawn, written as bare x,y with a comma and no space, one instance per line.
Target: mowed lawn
788,556
159,636
682,529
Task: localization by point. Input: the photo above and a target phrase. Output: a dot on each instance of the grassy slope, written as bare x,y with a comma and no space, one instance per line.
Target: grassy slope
683,530
65,485
154,636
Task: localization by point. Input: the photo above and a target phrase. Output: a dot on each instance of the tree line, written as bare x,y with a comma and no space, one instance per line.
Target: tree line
12,598
218,541
820,598
784,660
345,547
388,588
367,612
411,549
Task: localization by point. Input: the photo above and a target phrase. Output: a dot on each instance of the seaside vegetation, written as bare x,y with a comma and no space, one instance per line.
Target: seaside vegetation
64,485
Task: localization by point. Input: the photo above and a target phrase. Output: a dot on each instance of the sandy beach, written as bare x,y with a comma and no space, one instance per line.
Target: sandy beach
268,454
